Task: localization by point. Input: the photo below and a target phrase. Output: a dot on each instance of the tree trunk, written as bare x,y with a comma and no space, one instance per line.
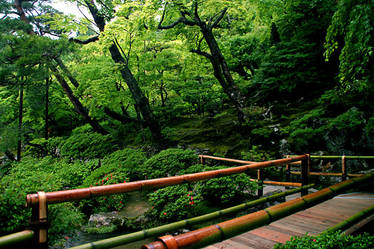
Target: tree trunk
138,96
222,73
20,116
77,104
140,100
46,124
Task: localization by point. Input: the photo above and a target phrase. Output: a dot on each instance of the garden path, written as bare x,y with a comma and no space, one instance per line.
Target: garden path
313,221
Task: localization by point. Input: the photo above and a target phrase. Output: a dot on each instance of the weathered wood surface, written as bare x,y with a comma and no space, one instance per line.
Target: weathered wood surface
312,221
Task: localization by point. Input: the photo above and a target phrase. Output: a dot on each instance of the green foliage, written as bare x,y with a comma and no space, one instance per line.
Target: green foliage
350,35
223,190
30,176
127,160
118,167
336,240
168,162
256,154
188,200
87,146
174,203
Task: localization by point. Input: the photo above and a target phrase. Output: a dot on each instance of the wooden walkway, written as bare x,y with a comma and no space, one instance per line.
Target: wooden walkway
313,220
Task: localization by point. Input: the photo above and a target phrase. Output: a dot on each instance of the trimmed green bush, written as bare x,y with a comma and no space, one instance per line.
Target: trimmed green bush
168,162
87,146
335,240
223,190
118,167
174,203
127,160
29,176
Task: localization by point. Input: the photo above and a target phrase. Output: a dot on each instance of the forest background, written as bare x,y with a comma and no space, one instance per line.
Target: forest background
252,79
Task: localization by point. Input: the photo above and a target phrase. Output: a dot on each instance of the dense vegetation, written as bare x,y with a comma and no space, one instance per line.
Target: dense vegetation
330,240
99,99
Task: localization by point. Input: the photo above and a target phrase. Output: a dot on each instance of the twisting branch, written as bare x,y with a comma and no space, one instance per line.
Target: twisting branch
219,18
199,52
196,14
89,40
119,46
181,19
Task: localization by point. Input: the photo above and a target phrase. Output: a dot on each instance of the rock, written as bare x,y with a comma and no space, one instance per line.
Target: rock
106,219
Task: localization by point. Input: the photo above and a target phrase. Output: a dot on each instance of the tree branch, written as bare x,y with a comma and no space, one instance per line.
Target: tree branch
66,71
199,52
122,118
196,14
219,18
181,19
89,40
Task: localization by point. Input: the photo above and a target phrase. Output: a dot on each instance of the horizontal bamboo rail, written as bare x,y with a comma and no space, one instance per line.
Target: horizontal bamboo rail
336,157
128,238
285,184
202,157
225,230
16,238
326,174
84,193
351,220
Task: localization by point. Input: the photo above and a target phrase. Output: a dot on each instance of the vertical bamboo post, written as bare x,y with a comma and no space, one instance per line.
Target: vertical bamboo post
288,172
260,190
344,169
39,220
305,166
202,159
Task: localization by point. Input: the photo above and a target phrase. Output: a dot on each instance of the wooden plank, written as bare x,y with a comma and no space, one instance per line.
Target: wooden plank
256,241
313,220
281,229
271,235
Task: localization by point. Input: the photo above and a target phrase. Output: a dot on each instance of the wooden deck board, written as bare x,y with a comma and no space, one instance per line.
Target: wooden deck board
313,221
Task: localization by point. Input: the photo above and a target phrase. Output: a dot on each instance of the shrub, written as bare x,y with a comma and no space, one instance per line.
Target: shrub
335,240
115,168
174,203
223,190
29,176
168,163
87,146
127,160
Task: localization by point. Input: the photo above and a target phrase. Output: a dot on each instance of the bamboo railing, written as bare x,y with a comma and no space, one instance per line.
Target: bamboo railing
225,230
16,238
39,201
260,174
344,172
152,232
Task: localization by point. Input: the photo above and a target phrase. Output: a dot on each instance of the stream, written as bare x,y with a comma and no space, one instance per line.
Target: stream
137,205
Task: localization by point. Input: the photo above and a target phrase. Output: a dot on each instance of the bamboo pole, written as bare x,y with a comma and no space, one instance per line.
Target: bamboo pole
351,220
16,238
260,183
337,157
344,169
225,230
128,238
285,184
305,164
225,159
83,193
326,174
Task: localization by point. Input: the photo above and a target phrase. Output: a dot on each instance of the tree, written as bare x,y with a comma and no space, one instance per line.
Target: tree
189,16
52,55
141,101
350,36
